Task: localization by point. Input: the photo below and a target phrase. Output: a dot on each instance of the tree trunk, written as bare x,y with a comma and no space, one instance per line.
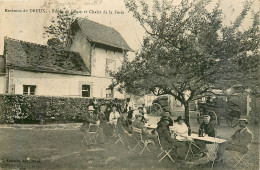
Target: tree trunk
187,114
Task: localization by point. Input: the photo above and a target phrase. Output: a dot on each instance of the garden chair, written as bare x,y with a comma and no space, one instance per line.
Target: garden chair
121,136
137,134
235,158
93,134
166,152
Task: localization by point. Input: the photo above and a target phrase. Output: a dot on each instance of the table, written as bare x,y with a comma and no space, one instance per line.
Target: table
216,141
207,138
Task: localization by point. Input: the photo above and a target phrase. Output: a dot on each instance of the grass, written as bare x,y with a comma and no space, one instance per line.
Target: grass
43,147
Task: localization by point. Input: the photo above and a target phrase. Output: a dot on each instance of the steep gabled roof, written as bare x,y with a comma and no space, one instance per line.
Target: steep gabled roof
34,57
102,34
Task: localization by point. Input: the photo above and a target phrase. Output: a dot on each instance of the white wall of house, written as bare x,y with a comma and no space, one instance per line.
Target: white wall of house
2,84
96,58
49,84
82,46
99,60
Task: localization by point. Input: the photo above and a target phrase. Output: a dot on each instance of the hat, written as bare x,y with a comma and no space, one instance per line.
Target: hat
164,118
114,105
165,114
102,104
206,116
140,108
243,120
179,118
138,115
91,108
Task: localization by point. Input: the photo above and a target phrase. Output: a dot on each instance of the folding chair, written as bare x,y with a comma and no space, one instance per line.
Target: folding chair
167,153
93,132
121,137
238,157
190,143
137,134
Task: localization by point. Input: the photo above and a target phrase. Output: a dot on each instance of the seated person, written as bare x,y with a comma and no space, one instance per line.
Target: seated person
168,142
180,129
167,114
130,116
144,115
213,118
88,118
103,119
238,142
113,119
114,115
209,129
144,109
102,114
140,125
208,126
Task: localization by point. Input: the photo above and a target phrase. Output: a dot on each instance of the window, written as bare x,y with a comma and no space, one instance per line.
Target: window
29,89
109,93
85,90
110,66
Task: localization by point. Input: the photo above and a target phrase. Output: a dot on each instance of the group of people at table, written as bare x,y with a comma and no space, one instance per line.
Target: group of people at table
172,134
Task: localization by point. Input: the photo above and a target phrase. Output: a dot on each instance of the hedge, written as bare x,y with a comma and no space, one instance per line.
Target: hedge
41,109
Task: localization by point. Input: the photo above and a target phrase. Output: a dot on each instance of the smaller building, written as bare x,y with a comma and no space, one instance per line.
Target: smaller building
34,69
81,70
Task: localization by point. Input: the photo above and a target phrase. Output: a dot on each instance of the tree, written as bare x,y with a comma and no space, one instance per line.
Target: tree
182,51
242,47
59,29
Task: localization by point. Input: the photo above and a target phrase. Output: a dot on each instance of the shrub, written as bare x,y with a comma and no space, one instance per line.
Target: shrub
36,109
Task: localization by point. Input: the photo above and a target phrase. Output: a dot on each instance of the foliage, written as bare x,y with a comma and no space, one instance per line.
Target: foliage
36,109
59,29
184,50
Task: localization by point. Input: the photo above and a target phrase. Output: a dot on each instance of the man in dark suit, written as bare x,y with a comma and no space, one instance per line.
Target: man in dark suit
208,126
168,142
165,116
91,117
137,123
238,142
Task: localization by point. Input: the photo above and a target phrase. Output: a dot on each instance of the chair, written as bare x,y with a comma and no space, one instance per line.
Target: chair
167,153
238,157
190,143
121,137
93,133
137,134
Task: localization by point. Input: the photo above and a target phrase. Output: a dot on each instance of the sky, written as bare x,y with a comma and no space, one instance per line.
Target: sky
28,25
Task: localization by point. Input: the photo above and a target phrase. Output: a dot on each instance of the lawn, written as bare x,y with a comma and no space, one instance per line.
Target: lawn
60,147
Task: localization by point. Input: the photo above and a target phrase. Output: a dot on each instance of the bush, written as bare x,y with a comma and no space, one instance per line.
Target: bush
41,109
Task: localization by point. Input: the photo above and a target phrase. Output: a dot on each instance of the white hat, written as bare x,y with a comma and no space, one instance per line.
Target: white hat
91,108
243,120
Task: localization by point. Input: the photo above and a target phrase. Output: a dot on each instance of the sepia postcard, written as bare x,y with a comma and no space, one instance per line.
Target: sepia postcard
58,64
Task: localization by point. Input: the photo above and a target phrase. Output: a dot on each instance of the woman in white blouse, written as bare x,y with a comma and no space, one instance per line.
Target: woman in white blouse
180,128
113,116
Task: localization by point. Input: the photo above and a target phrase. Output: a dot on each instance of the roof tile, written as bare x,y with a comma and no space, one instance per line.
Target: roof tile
102,34
36,57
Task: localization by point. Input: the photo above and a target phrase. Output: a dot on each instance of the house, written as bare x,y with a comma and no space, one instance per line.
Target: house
82,70
2,74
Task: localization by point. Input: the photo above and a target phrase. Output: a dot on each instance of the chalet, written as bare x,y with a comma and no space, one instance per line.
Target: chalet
82,70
